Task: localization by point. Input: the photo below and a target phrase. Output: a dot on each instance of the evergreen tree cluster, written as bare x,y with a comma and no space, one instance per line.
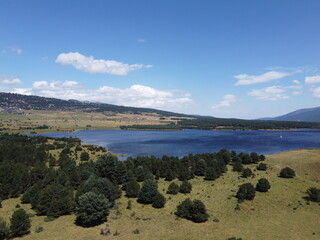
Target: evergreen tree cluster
19,225
192,210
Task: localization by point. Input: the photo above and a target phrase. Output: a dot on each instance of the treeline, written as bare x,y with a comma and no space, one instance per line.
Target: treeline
210,123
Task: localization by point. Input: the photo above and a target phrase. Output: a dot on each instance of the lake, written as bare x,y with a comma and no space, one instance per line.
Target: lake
181,143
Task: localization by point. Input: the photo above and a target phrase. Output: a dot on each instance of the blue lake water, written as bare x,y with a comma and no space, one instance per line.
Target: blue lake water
181,143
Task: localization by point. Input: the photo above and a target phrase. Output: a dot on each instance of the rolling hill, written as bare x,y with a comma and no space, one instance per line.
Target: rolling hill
302,115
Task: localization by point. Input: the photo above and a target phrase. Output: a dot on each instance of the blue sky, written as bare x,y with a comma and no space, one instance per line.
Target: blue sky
232,58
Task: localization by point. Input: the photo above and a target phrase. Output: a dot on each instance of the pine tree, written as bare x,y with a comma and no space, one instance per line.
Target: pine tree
237,166
262,167
54,200
106,167
19,223
140,174
4,230
132,189
185,187
198,212
192,210
84,156
263,185
183,209
173,188
246,192
121,172
148,191
159,201
246,172
169,175
200,168
184,173
102,185
92,209
287,173
211,174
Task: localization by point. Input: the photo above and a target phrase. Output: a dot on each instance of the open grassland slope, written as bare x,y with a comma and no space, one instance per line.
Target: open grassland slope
281,213
64,121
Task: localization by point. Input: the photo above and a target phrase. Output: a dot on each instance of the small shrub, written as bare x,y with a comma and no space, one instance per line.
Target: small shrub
49,219
39,229
314,194
287,173
129,205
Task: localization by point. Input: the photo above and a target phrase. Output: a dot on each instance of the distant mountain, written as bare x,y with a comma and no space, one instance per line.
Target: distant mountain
302,115
15,103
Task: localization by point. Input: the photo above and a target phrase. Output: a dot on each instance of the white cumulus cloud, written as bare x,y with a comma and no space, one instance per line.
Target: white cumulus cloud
11,81
316,92
269,93
245,79
227,100
312,79
136,95
91,65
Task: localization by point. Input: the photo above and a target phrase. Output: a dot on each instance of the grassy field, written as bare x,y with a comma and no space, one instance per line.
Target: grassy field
73,121
282,213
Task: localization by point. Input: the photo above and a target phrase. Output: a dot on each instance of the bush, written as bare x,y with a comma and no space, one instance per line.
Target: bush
314,194
287,173
148,191
159,201
262,167
263,185
246,173
92,209
19,223
173,189
246,192
192,210
185,187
